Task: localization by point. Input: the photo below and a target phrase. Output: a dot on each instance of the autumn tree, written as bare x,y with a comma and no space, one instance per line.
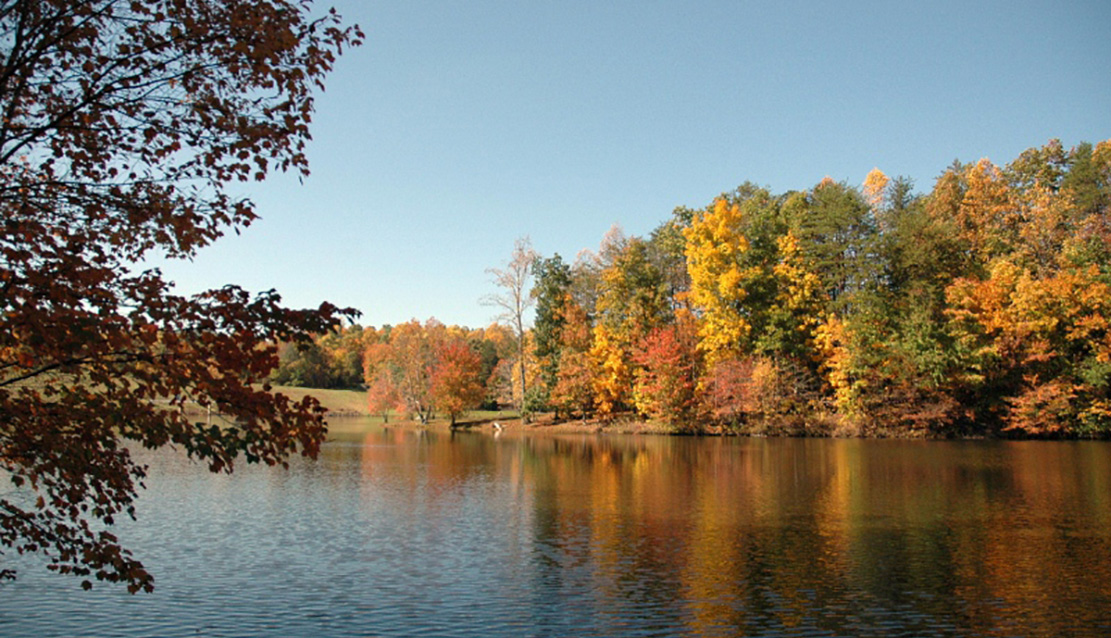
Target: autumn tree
1032,332
993,308
455,379
381,396
124,125
514,301
875,183
670,369
379,377
632,301
738,390
575,378
715,249
428,369
409,361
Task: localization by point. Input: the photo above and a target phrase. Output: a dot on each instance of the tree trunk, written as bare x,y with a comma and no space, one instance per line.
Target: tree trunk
521,356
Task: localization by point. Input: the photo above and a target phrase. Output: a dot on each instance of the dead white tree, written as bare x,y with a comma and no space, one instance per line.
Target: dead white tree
515,298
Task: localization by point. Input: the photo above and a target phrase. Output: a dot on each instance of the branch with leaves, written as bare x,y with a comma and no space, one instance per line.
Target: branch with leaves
124,123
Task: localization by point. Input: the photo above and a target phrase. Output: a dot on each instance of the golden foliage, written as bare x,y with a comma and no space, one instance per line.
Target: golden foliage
831,339
800,289
614,380
714,241
875,185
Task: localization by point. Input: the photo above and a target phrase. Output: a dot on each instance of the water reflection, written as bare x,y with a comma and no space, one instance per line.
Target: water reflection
719,536
406,532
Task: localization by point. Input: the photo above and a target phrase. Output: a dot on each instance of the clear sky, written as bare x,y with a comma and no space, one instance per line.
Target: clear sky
462,125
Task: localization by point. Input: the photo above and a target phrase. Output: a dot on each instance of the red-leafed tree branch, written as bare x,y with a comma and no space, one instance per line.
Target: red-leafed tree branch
123,124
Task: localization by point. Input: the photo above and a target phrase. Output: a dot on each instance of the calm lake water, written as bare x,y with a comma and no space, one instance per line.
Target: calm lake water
404,533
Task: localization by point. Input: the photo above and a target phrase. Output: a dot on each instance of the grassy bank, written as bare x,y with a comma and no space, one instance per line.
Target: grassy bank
338,402
353,403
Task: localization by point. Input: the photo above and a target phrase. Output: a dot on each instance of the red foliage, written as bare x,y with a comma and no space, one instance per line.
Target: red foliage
730,393
124,125
667,382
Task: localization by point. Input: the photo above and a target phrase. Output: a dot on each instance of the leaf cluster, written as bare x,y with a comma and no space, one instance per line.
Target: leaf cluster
123,125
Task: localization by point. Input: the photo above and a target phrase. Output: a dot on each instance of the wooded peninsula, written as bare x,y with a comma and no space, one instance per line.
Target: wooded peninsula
978,309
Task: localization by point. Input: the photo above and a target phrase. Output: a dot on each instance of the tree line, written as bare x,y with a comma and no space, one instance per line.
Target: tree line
979,308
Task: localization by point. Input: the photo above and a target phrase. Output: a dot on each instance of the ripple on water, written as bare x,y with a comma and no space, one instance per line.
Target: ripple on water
604,536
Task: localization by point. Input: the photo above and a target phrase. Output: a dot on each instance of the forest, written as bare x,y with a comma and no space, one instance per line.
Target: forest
980,308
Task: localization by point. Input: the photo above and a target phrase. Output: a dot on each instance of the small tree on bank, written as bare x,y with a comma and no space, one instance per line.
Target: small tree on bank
456,378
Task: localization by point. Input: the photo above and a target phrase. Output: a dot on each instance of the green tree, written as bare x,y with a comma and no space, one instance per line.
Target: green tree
551,287
1088,184
331,360
1088,177
304,365
667,252
633,297
837,233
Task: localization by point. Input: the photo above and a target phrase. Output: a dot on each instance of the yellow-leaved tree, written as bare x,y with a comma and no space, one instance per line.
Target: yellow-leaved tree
715,244
875,185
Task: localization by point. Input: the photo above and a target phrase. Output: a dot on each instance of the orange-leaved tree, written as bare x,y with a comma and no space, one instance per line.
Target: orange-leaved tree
378,376
575,378
124,123
456,378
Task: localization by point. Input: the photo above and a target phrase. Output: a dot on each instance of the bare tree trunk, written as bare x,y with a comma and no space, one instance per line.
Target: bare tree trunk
515,300
521,360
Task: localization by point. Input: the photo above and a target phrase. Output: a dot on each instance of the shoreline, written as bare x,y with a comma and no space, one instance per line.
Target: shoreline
545,424
347,405
542,424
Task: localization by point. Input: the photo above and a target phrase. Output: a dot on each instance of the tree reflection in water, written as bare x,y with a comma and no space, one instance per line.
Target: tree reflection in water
400,532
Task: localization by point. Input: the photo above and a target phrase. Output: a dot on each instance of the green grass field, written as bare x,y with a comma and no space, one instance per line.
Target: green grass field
344,403
338,402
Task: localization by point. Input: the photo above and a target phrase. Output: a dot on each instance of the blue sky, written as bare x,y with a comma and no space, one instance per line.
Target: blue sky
462,125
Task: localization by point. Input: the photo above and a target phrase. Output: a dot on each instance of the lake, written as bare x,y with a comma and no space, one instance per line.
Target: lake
400,532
